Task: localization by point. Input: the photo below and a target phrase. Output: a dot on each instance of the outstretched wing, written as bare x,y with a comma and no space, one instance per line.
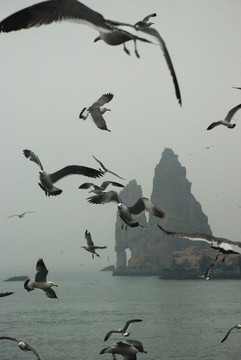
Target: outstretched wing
129,322
7,293
107,183
88,238
229,331
155,33
50,293
86,186
41,274
231,113
146,204
47,12
213,125
105,197
33,157
75,170
102,100
105,169
98,118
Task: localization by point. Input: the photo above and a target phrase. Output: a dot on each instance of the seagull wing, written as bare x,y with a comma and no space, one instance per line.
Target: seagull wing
11,216
105,169
229,331
88,238
167,57
128,323
232,112
86,186
208,270
146,204
102,100
7,293
47,12
213,125
129,357
108,335
107,183
105,197
98,118
75,170
41,274
50,293
33,157
146,18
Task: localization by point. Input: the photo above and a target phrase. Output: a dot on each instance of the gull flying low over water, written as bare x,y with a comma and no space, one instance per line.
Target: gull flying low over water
47,180
128,349
7,293
40,281
125,212
106,170
227,119
96,110
111,32
237,326
207,273
21,215
99,189
123,331
21,344
90,245
223,245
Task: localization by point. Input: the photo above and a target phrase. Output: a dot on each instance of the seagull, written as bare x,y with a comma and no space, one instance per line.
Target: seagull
111,32
128,349
21,215
237,326
90,245
40,281
22,345
125,212
223,245
207,273
47,180
96,110
7,293
227,119
106,170
99,189
207,147
145,22
122,331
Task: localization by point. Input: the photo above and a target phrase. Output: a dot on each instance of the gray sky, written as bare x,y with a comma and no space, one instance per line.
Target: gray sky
48,74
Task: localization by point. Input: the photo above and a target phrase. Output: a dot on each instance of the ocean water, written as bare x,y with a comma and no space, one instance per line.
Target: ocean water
181,319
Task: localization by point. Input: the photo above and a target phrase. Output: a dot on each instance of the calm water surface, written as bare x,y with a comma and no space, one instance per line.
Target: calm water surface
183,320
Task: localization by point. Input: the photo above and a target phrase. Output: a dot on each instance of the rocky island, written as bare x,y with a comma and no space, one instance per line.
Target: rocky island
155,253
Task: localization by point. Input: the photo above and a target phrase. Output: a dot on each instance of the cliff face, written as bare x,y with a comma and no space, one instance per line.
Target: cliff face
152,251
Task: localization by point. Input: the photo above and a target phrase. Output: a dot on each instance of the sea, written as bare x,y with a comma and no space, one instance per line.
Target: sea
182,319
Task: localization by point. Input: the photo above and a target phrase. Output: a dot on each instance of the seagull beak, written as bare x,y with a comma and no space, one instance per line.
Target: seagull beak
145,351
97,38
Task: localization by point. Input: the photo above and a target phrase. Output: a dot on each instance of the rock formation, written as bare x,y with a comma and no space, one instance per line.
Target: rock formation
152,251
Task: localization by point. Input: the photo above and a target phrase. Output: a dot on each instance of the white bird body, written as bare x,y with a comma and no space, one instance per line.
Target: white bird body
90,245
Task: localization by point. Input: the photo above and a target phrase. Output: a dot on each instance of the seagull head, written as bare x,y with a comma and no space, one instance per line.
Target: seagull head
120,206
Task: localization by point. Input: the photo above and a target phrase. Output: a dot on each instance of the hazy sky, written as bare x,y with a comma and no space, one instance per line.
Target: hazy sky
48,74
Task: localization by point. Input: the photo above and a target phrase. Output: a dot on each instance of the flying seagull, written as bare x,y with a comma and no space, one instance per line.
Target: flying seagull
96,110
7,293
227,119
125,212
207,273
99,189
128,349
106,170
20,215
21,344
47,180
90,245
40,281
123,331
223,245
237,326
145,22
111,32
